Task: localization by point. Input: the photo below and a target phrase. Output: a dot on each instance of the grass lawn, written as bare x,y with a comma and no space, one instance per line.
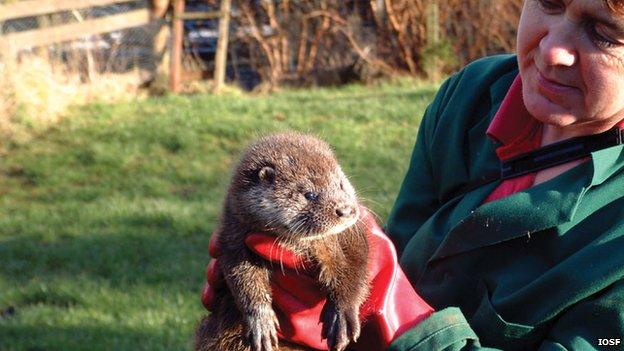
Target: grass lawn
105,217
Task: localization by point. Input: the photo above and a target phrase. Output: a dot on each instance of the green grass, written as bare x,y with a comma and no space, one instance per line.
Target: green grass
105,217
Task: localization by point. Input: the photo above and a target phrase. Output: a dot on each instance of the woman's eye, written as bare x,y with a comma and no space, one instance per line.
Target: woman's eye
550,5
310,196
600,38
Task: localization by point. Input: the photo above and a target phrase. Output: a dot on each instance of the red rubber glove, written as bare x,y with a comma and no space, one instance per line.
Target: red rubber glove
392,307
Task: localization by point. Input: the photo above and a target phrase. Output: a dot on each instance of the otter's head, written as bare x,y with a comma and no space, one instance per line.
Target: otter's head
291,185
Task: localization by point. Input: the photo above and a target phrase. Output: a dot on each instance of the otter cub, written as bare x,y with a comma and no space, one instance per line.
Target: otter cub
291,186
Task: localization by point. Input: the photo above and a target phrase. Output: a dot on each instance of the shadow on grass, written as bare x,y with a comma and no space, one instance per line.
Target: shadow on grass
155,262
128,250
42,338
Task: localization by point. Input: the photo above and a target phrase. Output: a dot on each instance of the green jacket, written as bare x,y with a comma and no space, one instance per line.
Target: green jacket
542,269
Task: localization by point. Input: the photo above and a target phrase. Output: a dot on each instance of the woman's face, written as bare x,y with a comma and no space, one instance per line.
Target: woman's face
571,58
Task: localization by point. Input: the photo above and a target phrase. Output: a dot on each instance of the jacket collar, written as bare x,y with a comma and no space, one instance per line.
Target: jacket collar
511,117
515,216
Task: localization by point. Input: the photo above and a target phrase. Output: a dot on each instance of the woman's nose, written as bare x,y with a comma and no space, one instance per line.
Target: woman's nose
557,48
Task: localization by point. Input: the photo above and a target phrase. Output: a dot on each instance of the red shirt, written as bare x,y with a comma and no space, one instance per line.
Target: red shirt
518,132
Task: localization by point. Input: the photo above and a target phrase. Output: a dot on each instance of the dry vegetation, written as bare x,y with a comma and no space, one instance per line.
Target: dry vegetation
302,39
36,92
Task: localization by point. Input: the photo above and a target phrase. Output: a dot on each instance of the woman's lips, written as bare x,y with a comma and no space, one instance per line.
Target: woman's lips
552,89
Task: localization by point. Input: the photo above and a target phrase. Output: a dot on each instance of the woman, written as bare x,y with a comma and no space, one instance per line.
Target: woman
532,261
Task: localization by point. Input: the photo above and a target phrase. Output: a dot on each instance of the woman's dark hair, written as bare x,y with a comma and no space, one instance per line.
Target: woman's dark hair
616,6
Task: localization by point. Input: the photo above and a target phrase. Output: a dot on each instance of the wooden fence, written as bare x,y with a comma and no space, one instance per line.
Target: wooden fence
65,32
57,33
180,15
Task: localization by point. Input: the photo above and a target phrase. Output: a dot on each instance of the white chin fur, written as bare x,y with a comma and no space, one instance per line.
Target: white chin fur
334,230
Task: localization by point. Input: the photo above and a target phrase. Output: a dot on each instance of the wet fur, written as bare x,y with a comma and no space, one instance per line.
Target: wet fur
268,194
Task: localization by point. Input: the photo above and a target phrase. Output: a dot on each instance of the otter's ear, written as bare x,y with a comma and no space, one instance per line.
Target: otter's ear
267,174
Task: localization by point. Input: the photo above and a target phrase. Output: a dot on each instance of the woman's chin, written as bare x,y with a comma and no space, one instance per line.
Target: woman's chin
549,112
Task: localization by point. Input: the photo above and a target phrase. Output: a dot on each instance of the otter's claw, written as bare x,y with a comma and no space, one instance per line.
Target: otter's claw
262,327
340,326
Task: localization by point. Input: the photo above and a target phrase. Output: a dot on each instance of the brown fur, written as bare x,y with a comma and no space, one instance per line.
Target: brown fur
288,185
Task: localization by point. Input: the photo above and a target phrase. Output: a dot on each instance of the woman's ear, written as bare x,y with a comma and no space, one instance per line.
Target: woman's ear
267,174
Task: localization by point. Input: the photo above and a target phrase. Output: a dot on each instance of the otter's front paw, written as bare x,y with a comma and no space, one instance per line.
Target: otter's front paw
262,327
340,325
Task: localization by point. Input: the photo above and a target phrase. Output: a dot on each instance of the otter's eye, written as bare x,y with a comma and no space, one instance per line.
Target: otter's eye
267,174
311,196
342,185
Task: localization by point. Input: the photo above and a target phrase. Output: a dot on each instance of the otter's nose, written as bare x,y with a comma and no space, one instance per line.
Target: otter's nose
345,211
